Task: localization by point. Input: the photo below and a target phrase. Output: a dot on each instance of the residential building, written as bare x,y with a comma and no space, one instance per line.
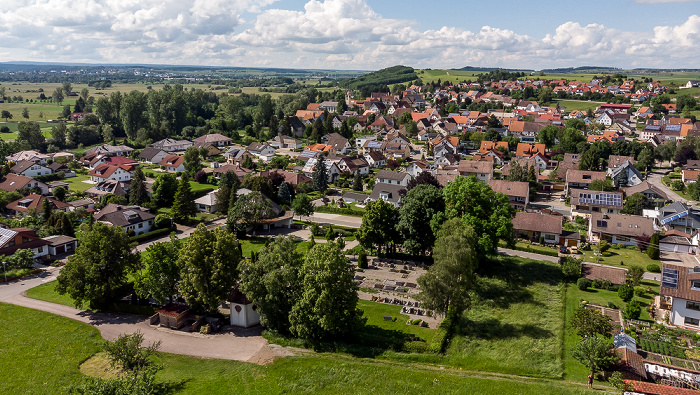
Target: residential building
109,150
532,226
106,172
482,170
262,151
14,182
14,239
653,193
61,244
173,163
152,155
582,178
390,193
375,159
518,192
215,139
584,202
625,175
285,142
239,171
207,203
109,186
680,293
332,170
34,204
619,228
525,150
678,216
172,145
126,217
353,165
417,167
393,177
33,156
28,168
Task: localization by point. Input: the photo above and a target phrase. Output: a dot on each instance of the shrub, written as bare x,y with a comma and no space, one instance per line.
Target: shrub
200,177
541,240
640,292
603,246
611,304
606,254
163,221
362,260
583,284
653,250
626,292
570,267
653,268
632,311
595,284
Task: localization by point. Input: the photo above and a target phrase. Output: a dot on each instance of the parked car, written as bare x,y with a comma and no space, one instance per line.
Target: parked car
562,249
562,198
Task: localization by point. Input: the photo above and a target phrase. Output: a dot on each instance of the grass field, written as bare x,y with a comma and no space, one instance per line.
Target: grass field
623,257
46,358
76,183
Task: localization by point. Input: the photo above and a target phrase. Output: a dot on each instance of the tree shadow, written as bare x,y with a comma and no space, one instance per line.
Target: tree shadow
168,388
516,272
493,329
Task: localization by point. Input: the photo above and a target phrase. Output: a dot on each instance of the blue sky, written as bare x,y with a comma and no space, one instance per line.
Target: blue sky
355,34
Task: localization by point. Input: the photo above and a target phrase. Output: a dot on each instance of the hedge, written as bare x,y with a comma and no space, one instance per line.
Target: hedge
151,235
538,251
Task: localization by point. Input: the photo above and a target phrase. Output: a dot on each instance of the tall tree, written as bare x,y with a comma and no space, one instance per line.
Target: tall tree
319,176
487,212
248,212
25,113
415,214
446,286
6,115
596,353
302,205
183,205
159,274
327,306
283,194
228,186
31,133
378,227
193,163
645,160
137,192
634,204
591,323
133,112
58,135
357,182
164,189
99,267
208,265
272,282
57,96
589,160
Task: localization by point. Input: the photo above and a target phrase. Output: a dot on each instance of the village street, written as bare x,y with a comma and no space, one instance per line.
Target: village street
654,178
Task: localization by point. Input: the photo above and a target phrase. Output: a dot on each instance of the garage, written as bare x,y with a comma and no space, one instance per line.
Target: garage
675,244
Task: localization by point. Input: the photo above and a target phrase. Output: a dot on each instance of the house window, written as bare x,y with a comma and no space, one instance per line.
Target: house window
140,225
40,249
692,305
549,236
692,321
695,285
622,238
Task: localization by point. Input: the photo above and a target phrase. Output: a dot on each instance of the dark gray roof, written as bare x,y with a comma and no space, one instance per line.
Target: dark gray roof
392,175
391,189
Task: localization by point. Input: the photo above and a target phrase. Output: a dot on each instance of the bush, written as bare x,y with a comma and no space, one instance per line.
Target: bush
541,240
611,304
632,311
150,235
570,267
583,284
603,246
362,260
163,221
653,250
653,268
640,292
200,177
626,292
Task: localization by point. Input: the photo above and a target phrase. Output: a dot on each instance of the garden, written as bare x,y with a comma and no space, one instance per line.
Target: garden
673,346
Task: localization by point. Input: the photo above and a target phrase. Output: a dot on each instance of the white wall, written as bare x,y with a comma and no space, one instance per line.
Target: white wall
246,317
679,312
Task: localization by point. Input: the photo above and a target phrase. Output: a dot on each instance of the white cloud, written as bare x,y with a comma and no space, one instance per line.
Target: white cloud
324,34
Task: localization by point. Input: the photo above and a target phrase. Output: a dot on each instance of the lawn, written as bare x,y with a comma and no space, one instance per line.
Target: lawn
581,105
623,257
76,183
46,358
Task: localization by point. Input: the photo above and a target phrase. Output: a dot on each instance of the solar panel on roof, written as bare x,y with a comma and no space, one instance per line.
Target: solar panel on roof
6,235
669,278
673,128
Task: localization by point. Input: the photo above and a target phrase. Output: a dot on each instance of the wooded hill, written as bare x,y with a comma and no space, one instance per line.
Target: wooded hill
390,75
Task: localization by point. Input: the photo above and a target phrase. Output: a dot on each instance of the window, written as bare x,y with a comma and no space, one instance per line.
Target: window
40,249
692,321
622,238
692,305
549,236
695,285
140,225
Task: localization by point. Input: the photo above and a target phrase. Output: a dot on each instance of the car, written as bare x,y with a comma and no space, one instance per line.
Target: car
562,249
562,198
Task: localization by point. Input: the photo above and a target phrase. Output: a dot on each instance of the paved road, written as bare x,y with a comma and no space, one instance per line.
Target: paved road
654,178
235,344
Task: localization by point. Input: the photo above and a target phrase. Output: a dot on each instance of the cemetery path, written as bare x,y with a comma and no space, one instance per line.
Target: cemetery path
239,344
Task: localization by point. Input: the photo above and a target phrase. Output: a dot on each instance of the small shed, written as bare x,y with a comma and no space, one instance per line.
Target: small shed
173,315
243,312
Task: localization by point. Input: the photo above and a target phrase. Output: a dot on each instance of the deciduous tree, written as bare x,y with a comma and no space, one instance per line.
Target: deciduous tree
248,212
415,214
378,227
137,192
164,189
159,274
302,205
591,323
596,353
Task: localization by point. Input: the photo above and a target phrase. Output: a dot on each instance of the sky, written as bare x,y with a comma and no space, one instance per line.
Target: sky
355,34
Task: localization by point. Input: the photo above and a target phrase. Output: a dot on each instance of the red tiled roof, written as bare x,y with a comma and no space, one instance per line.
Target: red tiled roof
658,389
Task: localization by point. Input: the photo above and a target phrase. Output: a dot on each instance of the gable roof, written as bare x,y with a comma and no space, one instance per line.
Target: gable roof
149,153
23,165
104,170
34,202
584,176
510,188
645,186
537,222
172,160
527,150
212,138
599,272
621,224
472,166
392,190
392,175
119,215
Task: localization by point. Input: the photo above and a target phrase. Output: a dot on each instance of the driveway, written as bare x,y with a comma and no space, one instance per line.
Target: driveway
335,219
654,178
237,344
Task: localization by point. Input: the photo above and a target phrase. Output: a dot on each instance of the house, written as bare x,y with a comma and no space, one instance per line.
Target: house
653,193
33,156
109,150
294,179
449,160
625,175
14,239
211,150
86,204
692,84
390,193
239,171
105,172
584,202
353,197
14,182
680,291
109,186
34,204
375,159
30,169
677,216
173,163
417,167
393,177
59,167
353,165
152,155
277,218
215,139
525,150
282,141
330,106
689,176
487,146
337,143
172,145
482,170
262,151
207,203
619,228
582,178
332,170
237,155
518,192
533,226
126,217
61,244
